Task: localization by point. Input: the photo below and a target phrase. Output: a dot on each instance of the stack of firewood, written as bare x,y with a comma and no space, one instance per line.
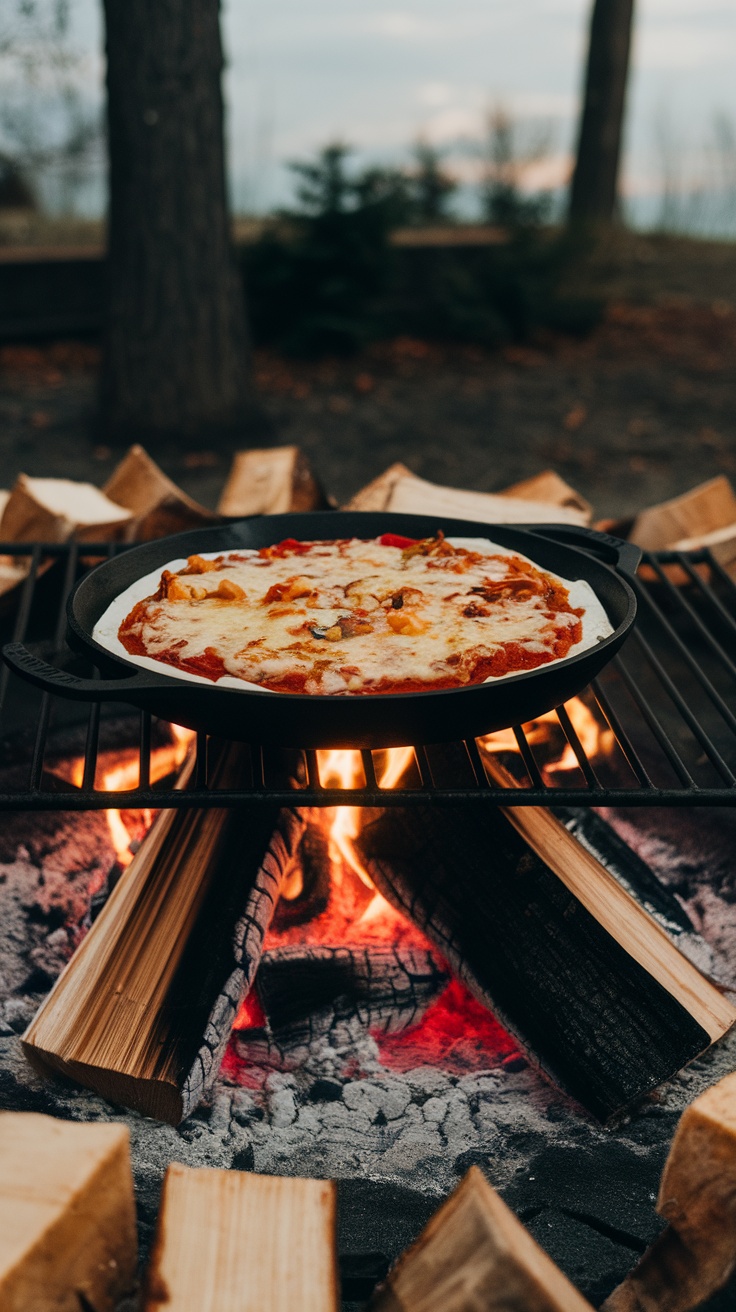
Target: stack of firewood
232,1241
140,502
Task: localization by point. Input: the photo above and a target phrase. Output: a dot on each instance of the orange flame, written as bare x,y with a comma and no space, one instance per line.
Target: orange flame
124,775
339,768
595,739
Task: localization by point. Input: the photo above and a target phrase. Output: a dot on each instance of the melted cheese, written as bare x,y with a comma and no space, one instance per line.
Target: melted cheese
354,617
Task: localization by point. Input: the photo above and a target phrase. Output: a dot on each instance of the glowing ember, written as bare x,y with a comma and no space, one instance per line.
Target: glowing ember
457,1033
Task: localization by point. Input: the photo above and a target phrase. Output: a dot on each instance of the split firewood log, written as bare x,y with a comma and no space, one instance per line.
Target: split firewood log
721,544
270,481
696,513
144,1009
53,510
231,1241
157,506
696,1255
543,499
67,1215
56,509
550,489
415,496
375,495
474,1253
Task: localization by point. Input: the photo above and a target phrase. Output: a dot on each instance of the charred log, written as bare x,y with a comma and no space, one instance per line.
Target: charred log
591,1016
386,988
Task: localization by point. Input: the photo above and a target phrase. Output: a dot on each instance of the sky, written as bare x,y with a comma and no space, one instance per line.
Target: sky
380,74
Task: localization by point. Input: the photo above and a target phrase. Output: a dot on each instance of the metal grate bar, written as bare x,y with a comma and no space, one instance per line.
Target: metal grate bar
621,736
44,715
686,654
423,769
572,737
312,763
720,573
666,700
529,759
713,755
657,729
708,592
23,615
200,764
144,752
476,761
91,748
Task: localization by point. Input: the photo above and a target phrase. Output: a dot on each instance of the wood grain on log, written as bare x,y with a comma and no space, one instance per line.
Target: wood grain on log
228,1241
609,1010
410,495
270,481
475,1254
144,1009
67,1215
550,489
158,507
375,495
56,509
696,1254
703,509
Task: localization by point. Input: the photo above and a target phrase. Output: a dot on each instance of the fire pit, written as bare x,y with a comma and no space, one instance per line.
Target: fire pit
370,1047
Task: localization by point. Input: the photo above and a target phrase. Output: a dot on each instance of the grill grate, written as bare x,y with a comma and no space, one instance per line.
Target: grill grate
656,728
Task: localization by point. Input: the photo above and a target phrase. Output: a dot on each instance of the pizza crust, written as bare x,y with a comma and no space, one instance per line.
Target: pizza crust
594,621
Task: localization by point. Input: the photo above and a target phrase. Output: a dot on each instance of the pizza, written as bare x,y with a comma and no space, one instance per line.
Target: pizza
349,616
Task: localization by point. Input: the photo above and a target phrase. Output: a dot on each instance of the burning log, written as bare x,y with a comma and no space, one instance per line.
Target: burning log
157,506
67,1215
270,482
544,935
696,1254
144,1009
243,1243
475,1254
387,988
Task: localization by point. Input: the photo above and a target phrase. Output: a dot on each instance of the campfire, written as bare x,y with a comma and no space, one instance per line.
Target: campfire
385,942
368,915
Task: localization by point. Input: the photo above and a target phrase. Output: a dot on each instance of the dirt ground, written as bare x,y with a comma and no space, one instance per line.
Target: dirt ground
639,411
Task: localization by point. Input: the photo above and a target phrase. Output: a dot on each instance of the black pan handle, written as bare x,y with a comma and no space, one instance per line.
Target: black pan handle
37,671
624,556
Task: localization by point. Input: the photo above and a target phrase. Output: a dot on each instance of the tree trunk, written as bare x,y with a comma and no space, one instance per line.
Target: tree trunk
593,195
176,358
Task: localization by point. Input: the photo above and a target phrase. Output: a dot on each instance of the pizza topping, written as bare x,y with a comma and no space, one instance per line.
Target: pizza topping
386,602
199,565
171,588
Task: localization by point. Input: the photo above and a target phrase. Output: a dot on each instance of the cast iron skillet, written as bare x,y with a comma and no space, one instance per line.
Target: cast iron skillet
378,720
